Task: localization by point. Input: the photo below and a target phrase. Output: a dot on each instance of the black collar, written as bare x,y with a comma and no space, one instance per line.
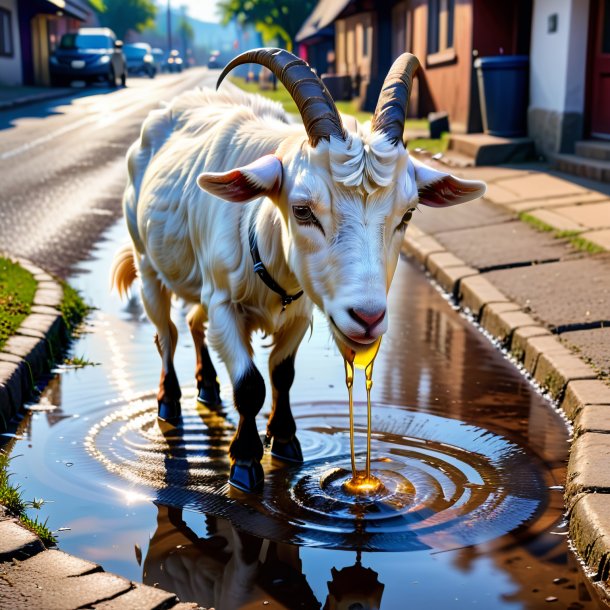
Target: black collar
261,270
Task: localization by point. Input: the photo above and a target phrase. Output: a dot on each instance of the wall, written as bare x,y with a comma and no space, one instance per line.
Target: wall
558,74
10,67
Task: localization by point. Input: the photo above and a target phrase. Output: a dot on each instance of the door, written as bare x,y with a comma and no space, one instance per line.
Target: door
600,107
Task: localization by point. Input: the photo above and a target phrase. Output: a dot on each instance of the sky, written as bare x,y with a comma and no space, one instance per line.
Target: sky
204,10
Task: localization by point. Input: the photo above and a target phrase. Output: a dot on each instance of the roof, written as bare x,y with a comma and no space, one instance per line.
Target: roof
75,8
323,15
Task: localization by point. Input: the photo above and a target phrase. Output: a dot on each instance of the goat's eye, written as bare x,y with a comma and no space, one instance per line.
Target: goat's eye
303,213
407,217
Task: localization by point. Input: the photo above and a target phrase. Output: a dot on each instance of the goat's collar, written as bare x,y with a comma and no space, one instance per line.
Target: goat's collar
261,270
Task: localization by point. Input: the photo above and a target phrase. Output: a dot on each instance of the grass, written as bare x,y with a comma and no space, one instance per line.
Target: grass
429,145
12,498
282,96
578,242
17,288
73,308
79,362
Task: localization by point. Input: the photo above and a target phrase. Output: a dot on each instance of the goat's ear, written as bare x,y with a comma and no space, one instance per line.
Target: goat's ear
439,189
262,177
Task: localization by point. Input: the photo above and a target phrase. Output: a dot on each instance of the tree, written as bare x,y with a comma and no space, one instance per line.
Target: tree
272,18
123,15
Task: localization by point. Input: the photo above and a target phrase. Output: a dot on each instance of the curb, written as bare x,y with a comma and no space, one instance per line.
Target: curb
26,100
34,347
583,398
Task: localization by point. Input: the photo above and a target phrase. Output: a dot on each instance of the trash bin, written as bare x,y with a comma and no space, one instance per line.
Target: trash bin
503,92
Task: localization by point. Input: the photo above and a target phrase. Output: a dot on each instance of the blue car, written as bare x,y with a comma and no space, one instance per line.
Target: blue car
91,54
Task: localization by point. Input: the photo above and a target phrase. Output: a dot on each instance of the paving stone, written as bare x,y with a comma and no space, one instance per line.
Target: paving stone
594,344
538,344
555,369
502,319
449,277
29,266
599,238
467,215
588,466
593,418
584,392
56,580
591,216
500,195
557,202
442,260
11,385
540,186
560,294
51,297
490,174
16,542
45,310
421,247
476,291
556,220
590,532
28,348
522,335
507,244
141,597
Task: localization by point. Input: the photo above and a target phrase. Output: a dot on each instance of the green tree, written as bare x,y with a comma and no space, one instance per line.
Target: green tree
272,18
123,15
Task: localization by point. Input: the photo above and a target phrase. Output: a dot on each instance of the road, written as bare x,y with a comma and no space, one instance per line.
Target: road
62,166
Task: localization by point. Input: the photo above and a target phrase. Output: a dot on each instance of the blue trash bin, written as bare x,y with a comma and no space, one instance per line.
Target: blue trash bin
503,92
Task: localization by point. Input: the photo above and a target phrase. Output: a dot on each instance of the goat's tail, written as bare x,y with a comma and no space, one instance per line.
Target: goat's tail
123,272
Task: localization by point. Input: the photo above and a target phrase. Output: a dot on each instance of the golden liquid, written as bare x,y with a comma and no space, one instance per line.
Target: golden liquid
362,482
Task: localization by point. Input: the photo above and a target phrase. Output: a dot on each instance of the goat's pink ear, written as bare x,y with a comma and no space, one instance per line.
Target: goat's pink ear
439,189
261,177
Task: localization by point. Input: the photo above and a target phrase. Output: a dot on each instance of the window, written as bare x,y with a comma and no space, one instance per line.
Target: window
6,34
440,31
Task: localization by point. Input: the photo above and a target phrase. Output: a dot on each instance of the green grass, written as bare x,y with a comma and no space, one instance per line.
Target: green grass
429,145
73,308
79,362
580,243
12,498
17,288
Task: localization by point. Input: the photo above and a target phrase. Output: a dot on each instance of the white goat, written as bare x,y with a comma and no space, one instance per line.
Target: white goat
325,221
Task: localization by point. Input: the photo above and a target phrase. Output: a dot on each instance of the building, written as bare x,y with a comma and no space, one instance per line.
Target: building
29,32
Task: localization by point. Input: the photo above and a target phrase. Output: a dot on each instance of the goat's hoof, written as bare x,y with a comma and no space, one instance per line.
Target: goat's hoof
209,396
169,411
247,477
289,451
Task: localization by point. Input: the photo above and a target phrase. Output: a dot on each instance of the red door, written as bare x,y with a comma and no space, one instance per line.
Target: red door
600,115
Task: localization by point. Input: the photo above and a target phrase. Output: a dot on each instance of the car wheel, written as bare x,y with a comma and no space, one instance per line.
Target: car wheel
124,79
151,73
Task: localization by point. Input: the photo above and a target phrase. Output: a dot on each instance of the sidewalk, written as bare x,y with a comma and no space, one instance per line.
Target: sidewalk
531,263
14,97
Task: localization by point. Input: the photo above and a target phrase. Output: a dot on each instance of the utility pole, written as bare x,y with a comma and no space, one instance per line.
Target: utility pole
169,26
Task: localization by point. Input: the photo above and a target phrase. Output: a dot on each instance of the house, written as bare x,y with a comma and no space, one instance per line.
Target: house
567,43
29,31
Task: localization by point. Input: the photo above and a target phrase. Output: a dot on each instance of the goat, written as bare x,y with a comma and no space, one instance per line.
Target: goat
322,219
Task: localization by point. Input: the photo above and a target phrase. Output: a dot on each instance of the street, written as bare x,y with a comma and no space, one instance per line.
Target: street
63,170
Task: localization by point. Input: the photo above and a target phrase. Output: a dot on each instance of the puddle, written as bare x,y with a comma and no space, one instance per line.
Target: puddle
472,461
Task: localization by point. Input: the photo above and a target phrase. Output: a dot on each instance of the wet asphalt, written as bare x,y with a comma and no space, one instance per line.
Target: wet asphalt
62,166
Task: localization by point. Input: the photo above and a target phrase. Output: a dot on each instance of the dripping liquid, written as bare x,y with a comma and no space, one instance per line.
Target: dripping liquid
362,481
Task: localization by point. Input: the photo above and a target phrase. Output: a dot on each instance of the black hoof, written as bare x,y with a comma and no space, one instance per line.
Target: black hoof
247,477
169,411
209,396
287,451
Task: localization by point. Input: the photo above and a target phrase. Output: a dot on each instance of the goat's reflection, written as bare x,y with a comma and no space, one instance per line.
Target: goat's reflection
228,569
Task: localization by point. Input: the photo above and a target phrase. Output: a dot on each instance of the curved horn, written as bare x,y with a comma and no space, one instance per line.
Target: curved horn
391,110
320,115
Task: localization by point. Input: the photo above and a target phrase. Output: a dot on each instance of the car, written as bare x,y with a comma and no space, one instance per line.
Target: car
89,54
173,62
158,55
140,59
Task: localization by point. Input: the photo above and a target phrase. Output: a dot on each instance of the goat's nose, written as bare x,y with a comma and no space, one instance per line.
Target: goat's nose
369,318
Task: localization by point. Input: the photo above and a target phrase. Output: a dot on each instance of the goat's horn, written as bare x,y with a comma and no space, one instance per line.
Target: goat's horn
320,115
391,110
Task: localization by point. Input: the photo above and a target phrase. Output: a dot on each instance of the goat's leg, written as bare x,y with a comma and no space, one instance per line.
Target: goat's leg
281,426
157,303
228,335
205,373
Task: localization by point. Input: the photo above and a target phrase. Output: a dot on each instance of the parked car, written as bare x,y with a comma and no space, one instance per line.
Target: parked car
90,54
140,59
158,55
173,62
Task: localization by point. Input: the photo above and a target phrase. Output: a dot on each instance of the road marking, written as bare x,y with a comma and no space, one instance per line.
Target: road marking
127,108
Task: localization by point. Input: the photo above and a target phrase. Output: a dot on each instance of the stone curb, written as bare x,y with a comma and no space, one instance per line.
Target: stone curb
34,348
571,382
26,100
